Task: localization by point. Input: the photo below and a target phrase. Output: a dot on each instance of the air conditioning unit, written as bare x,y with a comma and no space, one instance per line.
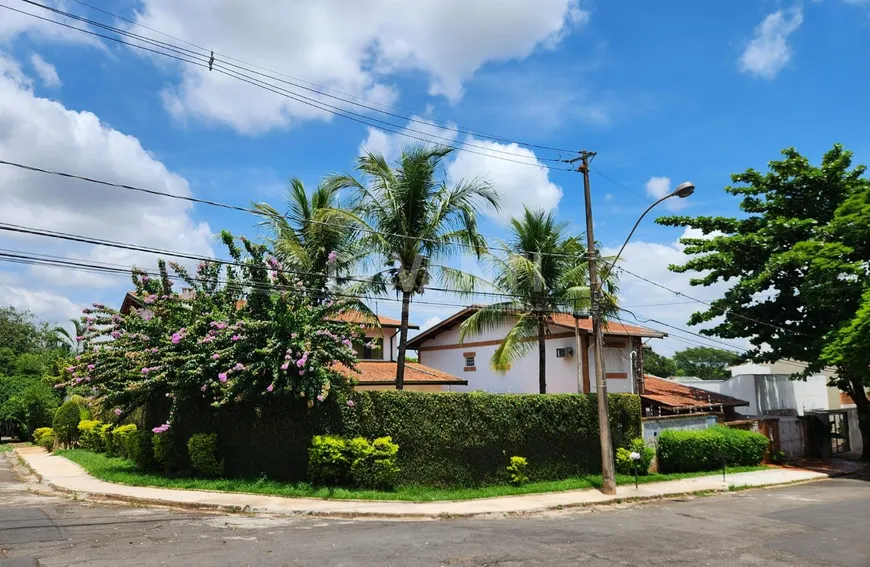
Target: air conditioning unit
564,352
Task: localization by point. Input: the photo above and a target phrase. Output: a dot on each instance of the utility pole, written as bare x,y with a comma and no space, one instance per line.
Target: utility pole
608,480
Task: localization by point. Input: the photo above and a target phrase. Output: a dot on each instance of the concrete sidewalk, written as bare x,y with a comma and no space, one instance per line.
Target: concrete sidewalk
65,476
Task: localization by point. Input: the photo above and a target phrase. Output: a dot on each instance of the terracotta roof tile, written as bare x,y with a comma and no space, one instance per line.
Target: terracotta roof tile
384,372
359,317
677,395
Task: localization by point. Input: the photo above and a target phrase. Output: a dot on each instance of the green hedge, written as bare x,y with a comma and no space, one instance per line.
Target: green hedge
704,450
467,439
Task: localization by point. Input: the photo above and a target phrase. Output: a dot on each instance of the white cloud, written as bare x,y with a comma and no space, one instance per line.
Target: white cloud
658,187
46,71
351,47
41,132
518,184
46,305
769,51
430,322
648,301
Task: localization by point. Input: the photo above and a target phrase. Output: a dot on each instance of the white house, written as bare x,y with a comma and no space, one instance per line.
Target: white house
439,347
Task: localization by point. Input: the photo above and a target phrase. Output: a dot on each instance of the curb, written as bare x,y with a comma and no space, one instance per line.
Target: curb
102,496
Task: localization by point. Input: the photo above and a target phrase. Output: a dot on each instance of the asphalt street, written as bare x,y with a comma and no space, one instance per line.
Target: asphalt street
816,524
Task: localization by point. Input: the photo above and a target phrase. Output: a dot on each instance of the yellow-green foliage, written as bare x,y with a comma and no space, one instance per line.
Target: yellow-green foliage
517,470
120,438
40,432
336,461
89,435
45,438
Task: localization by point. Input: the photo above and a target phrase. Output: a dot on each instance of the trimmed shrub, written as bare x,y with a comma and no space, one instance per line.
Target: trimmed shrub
165,452
107,439
45,438
201,449
461,439
624,462
89,435
66,423
704,450
328,462
38,433
120,436
140,449
518,471
373,465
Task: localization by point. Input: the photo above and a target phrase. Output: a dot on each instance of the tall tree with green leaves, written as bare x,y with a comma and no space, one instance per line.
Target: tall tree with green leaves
797,263
706,363
546,271
658,364
322,251
410,220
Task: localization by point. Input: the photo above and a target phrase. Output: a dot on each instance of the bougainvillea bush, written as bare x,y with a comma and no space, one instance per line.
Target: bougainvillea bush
241,330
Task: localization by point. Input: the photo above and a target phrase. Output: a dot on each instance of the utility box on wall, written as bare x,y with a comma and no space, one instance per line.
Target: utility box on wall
566,352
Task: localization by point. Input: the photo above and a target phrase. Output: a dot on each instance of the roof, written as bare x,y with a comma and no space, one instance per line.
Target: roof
132,300
675,395
360,317
557,319
383,373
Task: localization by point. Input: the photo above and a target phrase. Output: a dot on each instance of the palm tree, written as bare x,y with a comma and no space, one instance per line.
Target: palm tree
70,340
545,271
409,220
303,241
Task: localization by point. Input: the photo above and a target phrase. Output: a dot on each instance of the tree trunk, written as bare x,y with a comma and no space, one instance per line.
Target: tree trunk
403,341
859,396
542,357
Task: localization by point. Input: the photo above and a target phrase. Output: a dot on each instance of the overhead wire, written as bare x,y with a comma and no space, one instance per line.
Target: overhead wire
205,61
249,210
410,116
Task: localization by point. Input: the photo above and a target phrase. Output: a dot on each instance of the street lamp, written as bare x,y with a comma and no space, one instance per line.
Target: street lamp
608,479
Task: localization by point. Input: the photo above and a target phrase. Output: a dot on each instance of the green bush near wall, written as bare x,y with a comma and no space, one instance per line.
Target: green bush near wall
704,450
467,439
445,439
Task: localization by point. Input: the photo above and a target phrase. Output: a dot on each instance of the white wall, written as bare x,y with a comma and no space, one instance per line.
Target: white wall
523,375
386,333
769,392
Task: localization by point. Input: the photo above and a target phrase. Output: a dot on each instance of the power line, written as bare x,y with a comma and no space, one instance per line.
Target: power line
211,203
321,88
679,293
104,268
175,254
207,62
615,182
658,322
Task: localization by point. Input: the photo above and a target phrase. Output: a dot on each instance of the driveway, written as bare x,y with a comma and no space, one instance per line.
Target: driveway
815,524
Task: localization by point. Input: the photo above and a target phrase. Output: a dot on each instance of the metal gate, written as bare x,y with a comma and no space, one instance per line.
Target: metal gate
792,437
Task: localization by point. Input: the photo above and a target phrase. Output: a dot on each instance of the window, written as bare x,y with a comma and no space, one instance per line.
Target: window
469,362
369,348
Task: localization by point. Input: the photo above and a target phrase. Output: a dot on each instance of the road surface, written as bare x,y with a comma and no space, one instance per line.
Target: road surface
816,524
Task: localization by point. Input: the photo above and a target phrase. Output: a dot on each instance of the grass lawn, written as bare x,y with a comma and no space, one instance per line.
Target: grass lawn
5,447
114,469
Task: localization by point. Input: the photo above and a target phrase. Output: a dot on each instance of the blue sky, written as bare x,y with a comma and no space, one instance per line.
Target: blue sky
664,92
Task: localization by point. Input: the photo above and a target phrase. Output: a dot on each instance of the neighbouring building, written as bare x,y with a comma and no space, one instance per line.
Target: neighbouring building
813,418
439,347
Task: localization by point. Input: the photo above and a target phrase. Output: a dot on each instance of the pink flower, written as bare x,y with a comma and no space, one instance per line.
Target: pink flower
146,370
347,343
78,338
176,338
116,334
332,256
78,380
149,298
79,357
215,356
320,398
350,403
285,366
154,350
90,319
222,376
302,372
118,411
161,429
70,369
239,366
270,387
235,338
91,366
203,389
